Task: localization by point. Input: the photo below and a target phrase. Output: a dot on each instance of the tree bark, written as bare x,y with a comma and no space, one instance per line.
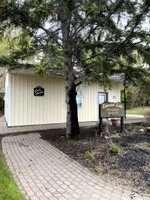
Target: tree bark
72,125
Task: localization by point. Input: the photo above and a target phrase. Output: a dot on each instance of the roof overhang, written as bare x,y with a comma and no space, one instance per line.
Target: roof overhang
116,78
30,71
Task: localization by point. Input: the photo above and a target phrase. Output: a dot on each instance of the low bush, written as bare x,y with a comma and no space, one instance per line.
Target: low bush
114,149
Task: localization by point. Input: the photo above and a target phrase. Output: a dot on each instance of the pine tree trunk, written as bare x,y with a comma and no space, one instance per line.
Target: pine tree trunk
72,125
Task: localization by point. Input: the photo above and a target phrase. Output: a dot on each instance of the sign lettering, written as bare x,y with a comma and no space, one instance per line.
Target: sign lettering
110,109
38,91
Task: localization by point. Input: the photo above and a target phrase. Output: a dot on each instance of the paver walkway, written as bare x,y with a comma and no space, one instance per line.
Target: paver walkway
42,172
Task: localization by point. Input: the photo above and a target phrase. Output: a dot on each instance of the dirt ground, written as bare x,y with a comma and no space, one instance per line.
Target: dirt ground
130,167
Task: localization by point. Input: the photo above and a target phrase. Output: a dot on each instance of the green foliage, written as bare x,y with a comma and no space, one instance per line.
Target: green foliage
138,111
115,172
82,40
98,169
16,44
42,71
139,126
77,137
117,134
2,96
89,36
8,188
114,149
113,161
89,154
137,95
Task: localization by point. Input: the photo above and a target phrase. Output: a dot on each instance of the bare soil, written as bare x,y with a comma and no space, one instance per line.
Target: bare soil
130,167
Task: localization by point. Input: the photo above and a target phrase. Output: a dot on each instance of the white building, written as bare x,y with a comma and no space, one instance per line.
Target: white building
22,107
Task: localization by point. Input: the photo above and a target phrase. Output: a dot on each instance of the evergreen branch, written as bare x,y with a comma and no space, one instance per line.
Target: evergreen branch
93,30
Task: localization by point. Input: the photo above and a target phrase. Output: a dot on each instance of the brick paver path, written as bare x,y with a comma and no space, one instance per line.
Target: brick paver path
42,172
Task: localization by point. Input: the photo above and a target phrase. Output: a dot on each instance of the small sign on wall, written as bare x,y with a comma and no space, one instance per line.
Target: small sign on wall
38,91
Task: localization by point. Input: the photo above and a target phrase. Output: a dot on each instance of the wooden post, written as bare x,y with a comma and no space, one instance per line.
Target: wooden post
100,125
121,124
125,100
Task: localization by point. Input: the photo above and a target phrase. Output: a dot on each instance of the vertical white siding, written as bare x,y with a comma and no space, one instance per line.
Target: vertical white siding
28,109
89,110
6,97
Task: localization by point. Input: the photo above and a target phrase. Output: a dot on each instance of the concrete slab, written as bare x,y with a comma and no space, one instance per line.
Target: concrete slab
5,130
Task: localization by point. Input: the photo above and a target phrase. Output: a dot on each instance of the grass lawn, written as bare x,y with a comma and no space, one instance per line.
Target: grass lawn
138,110
8,187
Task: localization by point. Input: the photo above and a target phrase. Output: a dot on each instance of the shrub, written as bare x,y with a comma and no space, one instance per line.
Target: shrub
114,149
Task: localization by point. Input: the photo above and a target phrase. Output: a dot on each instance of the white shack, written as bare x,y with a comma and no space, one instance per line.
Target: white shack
31,100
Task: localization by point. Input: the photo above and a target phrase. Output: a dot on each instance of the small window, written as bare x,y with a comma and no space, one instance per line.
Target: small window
79,99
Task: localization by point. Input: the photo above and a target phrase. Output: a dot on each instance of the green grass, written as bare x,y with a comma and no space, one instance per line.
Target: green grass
139,126
138,110
8,187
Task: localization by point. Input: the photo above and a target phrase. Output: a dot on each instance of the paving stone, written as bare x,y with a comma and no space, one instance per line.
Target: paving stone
96,196
48,194
39,194
62,198
114,198
125,198
30,193
67,196
54,176
45,198
104,198
34,198
57,195
67,183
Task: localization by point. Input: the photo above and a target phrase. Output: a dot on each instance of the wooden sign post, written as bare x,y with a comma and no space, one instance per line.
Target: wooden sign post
110,110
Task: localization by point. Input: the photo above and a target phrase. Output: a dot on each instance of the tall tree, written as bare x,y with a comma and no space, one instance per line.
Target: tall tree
82,39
